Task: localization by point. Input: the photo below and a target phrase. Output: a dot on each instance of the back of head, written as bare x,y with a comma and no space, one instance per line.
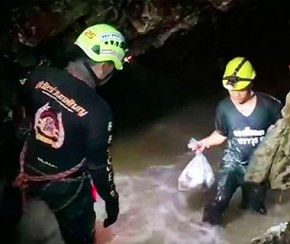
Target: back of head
239,74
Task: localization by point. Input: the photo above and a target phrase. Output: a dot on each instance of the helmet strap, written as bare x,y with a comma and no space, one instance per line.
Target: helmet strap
239,67
97,81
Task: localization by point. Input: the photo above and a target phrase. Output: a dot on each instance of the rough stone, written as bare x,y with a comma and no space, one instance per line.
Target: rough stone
270,163
30,23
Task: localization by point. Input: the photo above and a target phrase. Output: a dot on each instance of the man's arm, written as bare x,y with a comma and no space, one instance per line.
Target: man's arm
219,135
214,139
25,87
276,110
99,163
23,111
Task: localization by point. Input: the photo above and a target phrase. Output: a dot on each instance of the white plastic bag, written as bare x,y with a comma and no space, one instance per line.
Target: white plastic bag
196,174
192,143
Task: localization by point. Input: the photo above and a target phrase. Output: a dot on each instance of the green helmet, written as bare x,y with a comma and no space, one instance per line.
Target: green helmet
103,42
239,73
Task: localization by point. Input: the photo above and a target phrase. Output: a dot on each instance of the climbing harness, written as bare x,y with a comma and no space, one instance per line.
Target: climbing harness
23,180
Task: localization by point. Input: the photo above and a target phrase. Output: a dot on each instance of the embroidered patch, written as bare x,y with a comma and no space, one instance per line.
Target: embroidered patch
48,126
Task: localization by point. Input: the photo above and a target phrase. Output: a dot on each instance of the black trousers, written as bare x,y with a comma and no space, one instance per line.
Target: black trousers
230,178
72,203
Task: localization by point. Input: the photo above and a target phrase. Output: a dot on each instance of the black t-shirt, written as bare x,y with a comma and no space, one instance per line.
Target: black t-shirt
245,132
70,122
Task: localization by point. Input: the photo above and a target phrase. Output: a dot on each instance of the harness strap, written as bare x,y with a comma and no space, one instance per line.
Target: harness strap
53,177
23,179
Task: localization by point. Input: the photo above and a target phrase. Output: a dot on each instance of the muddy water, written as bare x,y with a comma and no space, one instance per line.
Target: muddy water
147,163
148,158
152,210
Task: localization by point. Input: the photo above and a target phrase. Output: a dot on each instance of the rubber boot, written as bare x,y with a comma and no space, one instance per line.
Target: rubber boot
213,212
245,197
257,198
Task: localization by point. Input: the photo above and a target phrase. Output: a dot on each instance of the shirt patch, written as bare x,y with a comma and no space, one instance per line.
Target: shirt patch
48,127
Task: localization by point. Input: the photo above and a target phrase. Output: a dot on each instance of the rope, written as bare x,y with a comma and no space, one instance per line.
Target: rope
54,177
72,198
23,179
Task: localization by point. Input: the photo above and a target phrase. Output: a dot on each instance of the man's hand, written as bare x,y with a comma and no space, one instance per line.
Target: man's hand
197,146
214,139
112,209
201,146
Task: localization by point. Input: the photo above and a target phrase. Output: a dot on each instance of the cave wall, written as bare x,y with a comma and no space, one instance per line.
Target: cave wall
40,30
182,45
192,39
145,23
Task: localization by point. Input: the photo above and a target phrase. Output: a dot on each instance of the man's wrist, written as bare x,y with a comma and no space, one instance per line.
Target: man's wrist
205,143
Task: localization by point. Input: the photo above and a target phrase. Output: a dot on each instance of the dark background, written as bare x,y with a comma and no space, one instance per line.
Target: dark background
187,69
190,67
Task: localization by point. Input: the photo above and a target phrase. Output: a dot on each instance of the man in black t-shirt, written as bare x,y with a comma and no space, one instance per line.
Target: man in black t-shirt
67,149
242,120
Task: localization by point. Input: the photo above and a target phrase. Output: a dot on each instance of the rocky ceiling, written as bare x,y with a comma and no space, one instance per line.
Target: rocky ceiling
37,30
146,23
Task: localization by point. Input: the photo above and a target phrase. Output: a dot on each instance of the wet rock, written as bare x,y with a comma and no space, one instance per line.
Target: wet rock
271,161
36,30
278,234
31,23
221,4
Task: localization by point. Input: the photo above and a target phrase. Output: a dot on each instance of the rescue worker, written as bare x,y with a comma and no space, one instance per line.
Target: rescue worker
242,120
68,146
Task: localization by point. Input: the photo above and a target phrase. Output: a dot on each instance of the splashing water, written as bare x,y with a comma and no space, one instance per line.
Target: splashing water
154,211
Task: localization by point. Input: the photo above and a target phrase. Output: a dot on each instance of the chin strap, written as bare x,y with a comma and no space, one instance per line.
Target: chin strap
97,81
106,79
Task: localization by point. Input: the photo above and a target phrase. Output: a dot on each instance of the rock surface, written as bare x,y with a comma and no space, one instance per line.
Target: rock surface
145,23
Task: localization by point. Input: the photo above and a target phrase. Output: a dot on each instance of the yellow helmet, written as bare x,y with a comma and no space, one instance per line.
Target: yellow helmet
103,42
239,74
